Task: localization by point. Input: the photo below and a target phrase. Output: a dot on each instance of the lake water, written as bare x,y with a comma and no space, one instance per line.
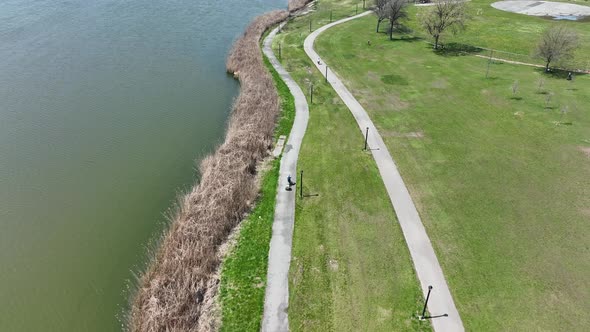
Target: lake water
104,107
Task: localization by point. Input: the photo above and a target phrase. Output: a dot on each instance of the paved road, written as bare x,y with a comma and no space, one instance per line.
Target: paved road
276,299
425,262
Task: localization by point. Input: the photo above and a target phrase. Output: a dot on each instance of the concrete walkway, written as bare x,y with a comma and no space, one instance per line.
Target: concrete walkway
276,299
426,264
543,8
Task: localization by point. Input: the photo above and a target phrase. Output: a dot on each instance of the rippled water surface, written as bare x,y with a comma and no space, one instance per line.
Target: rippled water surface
104,107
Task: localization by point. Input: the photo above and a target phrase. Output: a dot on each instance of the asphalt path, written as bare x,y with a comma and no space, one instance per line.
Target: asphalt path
276,300
425,262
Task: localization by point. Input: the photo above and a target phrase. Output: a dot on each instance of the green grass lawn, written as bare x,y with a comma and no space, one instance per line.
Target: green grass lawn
513,36
509,32
351,269
501,180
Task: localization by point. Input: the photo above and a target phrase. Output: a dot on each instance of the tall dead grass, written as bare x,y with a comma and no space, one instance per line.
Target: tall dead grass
295,5
171,292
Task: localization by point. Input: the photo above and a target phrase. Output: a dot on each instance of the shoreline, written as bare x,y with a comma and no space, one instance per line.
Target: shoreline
171,291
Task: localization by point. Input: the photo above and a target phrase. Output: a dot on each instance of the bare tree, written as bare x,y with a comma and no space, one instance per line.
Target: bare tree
444,15
564,110
548,97
541,84
396,10
380,11
557,43
514,88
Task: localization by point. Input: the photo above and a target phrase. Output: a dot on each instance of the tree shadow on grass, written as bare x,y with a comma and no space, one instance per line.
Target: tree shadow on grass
409,39
457,49
403,38
558,73
401,33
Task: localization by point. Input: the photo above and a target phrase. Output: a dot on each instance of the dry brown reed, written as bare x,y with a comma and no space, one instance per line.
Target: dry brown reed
171,292
295,5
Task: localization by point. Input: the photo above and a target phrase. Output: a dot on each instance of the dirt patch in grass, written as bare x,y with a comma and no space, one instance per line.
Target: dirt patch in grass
441,83
384,314
412,134
391,99
585,150
333,264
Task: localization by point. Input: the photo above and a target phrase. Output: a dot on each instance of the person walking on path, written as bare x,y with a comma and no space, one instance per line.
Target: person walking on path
290,182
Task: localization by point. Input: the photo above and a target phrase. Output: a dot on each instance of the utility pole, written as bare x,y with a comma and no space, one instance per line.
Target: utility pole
280,58
366,138
326,73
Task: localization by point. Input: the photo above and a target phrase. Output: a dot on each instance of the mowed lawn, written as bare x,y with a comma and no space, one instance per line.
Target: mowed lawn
508,32
350,269
501,180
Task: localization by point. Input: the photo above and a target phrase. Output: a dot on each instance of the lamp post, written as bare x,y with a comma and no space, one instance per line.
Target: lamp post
426,302
301,185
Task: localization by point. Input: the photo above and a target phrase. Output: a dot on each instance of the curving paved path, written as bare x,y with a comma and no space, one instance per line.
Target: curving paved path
426,264
276,300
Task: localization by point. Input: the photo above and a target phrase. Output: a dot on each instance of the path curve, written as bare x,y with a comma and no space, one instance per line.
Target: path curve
276,300
426,264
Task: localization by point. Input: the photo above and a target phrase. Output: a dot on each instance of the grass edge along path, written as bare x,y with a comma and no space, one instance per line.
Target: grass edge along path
350,269
425,261
243,274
